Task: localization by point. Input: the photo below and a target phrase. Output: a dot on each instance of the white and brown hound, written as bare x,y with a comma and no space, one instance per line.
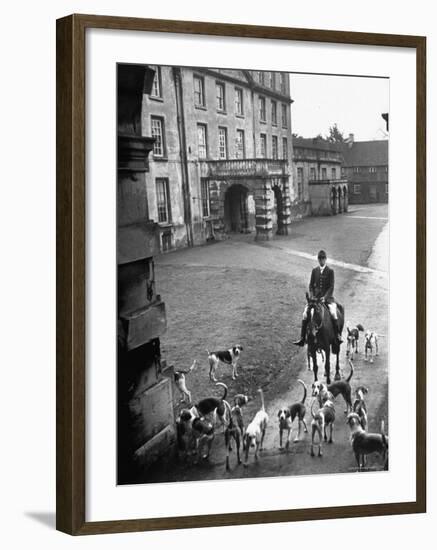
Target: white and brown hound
324,392
360,407
217,405
353,335
370,345
364,443
286,417
181,382
256,431
323,419
228,357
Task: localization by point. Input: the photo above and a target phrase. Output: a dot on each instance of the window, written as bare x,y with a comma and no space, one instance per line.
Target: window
204,193
284,115
284,148
220,96
274,147
272,80
156,86
312,173
202,143
239,102
239,145
333,173
324,174
356,169
372,169
163,200
357,188
263,145
274,113
157,125
223,144
199,91
261,77
262,109
343,171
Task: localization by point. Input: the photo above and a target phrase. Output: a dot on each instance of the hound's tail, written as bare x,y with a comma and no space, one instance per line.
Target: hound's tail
352,371
304,390
225,389
360,327
193,365
263,408
208,352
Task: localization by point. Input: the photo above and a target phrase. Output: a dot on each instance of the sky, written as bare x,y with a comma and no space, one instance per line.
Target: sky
354,103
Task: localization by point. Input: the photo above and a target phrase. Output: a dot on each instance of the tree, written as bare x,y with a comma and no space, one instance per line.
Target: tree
335,135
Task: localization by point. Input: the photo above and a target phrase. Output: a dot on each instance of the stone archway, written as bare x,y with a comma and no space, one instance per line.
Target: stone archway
236,213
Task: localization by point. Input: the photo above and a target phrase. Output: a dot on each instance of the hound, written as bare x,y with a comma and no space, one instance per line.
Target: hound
240,401
181,382
360,407
193,433
228,357
322,419
256,431
216,405
324,392
353,336
233,431
286,417
370,345
364,443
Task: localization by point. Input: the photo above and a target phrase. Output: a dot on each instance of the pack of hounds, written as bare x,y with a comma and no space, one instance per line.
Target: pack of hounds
197,425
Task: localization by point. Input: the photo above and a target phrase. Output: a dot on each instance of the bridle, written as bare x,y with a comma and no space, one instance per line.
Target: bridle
313,306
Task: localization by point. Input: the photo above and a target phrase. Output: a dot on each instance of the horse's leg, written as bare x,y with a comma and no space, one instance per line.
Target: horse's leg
337,366
315,367
328,365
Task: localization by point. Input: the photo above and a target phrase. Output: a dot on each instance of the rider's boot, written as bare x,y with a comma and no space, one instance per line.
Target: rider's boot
337,331
303,331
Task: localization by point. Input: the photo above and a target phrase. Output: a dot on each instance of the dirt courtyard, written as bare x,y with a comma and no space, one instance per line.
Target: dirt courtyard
242,292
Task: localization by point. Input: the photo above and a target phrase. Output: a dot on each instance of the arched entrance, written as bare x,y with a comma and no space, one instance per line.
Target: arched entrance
236,215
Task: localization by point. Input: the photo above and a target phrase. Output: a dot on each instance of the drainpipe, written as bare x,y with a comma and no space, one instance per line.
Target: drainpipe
186,191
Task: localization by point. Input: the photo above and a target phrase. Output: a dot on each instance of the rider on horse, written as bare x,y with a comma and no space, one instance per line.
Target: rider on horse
321,287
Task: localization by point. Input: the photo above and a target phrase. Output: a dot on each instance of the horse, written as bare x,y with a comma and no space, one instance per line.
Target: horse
321,336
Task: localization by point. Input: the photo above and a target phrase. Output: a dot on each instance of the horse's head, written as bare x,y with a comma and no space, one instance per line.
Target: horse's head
315,315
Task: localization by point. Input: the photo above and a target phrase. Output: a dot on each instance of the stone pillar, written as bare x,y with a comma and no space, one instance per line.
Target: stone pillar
346,199
263,211
285,227
216,198
146,424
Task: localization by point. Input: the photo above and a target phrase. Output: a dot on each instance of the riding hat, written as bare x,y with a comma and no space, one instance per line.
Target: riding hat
321,254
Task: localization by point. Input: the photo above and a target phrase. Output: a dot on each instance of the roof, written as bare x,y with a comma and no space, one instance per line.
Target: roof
366,153
316,143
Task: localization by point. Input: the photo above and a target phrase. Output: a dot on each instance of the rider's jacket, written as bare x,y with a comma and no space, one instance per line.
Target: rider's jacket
322,284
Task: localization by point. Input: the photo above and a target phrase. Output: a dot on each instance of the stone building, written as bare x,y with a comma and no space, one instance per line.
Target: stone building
222,156
145,416
365,167
321,188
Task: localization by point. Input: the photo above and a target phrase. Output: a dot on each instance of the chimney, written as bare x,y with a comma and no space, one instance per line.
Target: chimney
350,140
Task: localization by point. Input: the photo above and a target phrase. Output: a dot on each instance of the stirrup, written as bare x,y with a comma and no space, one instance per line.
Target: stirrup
300,342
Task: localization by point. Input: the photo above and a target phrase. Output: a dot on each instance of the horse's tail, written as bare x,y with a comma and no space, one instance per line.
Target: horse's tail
225,389
304,390
360,327
352,371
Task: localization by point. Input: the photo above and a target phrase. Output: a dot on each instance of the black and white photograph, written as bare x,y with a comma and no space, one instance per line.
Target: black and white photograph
252,274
